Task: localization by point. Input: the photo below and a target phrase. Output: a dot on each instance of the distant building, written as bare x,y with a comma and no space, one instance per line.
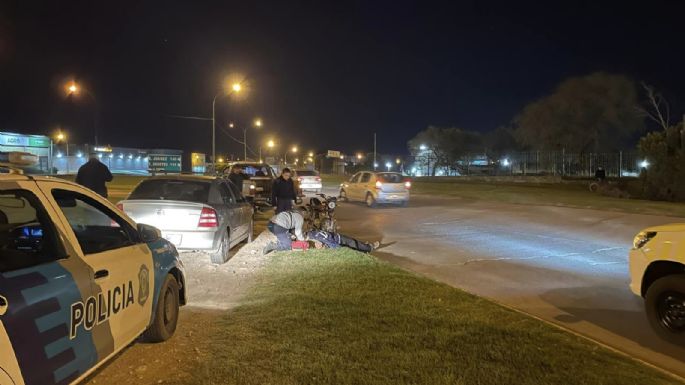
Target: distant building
37,145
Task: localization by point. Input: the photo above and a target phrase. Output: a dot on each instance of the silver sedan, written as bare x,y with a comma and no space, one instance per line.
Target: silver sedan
193,212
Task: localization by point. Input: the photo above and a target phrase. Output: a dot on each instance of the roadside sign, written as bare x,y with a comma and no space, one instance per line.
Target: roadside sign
333,154
165,163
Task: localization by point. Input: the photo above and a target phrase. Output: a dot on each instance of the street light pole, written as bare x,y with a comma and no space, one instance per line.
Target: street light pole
235,88
74,89
214,132
245,143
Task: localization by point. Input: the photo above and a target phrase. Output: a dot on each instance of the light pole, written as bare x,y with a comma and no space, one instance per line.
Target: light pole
75,89
257,123
61,137
285,156
235,88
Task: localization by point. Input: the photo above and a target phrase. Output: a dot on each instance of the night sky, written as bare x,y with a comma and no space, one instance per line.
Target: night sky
323,75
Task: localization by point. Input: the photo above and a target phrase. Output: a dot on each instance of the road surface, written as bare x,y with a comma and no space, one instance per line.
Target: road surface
567,266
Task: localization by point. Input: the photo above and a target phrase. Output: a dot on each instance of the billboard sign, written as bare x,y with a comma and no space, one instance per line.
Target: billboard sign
24,140
333,154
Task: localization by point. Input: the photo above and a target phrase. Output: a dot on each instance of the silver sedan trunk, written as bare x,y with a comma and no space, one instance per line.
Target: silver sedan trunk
193,213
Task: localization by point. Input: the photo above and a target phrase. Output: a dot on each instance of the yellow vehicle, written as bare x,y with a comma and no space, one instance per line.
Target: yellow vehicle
657,270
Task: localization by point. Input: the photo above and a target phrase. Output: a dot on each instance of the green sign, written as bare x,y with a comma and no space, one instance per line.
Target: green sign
39,142
166,163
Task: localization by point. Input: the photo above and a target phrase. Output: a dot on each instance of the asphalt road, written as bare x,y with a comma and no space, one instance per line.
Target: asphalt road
567,266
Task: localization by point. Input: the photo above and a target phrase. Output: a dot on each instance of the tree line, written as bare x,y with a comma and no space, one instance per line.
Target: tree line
596,113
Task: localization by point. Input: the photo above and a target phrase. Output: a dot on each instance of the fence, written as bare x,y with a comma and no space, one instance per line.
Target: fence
559,163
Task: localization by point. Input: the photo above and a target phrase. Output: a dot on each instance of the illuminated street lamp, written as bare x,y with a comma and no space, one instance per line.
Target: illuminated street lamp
388,165
398,161
235,88
311,154
61,137
74,89
359,156
285,156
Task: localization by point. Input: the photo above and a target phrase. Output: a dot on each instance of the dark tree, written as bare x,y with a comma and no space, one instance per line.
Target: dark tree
592,113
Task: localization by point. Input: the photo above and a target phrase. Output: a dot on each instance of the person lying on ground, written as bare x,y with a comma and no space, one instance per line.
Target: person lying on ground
287,223
323,239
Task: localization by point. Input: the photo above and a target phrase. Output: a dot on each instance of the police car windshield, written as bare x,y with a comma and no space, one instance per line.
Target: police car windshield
170,189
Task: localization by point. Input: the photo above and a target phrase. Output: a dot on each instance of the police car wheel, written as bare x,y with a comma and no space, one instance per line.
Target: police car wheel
665,307
166,314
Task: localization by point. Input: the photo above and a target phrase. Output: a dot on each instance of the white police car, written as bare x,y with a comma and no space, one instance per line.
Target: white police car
657,270
79,281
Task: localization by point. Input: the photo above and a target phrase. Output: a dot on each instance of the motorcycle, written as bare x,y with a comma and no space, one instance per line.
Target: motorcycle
321,213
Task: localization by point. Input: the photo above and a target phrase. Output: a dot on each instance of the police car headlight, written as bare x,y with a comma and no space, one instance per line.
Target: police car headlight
642,238
331,205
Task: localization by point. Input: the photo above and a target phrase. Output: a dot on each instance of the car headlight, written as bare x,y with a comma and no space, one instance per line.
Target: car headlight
252,187
642,238
331,205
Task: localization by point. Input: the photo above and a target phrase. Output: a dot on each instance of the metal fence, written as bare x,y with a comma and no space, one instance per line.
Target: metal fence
557,163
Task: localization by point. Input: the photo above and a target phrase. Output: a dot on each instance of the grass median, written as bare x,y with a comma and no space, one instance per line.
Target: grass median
341,317
551,194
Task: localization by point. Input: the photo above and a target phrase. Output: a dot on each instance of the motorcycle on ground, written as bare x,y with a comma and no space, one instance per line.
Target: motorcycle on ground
320,213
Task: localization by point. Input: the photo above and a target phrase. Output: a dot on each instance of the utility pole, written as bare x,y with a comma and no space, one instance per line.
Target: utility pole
245,143
374,151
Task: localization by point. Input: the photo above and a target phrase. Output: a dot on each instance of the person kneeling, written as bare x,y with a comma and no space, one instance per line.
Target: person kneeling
282,225
287,223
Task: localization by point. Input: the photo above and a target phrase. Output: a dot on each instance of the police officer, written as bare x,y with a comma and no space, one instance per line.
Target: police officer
283,192
93,175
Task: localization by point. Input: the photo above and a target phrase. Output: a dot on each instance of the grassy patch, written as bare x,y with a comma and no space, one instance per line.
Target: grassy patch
569,195
341,317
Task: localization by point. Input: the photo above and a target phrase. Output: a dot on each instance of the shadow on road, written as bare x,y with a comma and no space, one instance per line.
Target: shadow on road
631,325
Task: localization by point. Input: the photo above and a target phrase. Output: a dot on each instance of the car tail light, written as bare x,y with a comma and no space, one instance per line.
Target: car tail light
208,218
407,184
120,206
379,184
318,179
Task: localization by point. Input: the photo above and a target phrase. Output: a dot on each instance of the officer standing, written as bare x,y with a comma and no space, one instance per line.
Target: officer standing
237,176
283,192
93,175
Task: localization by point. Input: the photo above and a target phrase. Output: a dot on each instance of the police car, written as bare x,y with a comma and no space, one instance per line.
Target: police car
657,270
79,281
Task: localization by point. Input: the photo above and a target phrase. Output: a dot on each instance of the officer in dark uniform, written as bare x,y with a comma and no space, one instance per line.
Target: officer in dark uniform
237,176
93,175
283,192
